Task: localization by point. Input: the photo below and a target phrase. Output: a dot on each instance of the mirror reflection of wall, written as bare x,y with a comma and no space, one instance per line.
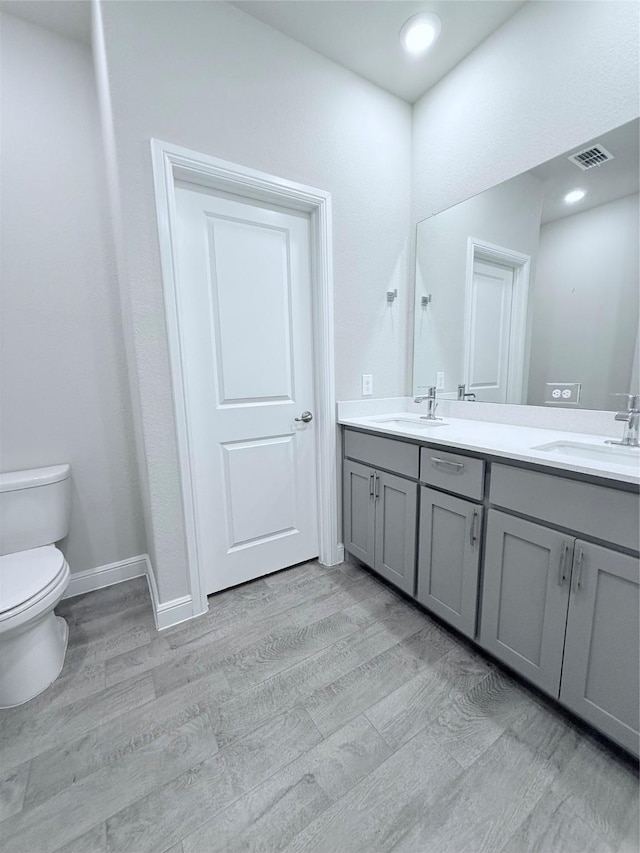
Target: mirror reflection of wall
527,298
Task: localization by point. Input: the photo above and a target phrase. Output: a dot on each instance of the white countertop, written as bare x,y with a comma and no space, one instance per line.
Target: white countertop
511,442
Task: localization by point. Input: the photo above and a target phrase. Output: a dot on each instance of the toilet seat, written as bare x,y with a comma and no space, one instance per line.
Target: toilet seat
29,578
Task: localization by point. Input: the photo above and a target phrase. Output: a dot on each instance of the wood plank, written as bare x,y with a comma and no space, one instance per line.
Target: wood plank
175,809
23,737
374,814
273,813
13,786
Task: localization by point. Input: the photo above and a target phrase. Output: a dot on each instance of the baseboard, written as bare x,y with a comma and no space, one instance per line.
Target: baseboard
166,613
102,576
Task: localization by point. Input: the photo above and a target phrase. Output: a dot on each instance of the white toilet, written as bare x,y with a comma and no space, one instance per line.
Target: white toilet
34,514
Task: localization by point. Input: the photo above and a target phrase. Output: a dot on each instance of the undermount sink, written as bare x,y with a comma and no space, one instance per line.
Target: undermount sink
629,457
406,423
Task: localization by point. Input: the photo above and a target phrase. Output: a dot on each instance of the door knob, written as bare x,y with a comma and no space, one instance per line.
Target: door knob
305,417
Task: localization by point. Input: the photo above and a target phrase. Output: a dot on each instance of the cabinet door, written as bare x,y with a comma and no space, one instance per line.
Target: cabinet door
448,558
525,597
601,658
396,524
359,511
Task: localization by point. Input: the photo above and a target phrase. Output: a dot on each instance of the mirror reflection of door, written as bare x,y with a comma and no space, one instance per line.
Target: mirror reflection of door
488,342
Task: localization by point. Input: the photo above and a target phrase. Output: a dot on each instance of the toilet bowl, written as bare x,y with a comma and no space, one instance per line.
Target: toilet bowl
34,575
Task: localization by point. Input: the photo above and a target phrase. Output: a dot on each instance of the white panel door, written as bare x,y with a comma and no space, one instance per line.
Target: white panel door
489,332
244,304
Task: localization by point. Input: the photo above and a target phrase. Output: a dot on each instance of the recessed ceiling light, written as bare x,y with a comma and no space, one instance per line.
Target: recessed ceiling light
574,196
419,32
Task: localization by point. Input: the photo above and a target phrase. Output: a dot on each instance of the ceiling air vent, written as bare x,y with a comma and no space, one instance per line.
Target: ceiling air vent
592,156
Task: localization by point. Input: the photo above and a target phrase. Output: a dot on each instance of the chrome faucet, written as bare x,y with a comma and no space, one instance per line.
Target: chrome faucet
631,417
432,405
463,394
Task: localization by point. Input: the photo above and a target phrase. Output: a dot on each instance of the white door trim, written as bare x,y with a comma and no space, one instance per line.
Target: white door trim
521,265
172,163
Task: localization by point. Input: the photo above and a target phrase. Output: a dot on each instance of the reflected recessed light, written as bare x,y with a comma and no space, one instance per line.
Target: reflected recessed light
419,32
574,196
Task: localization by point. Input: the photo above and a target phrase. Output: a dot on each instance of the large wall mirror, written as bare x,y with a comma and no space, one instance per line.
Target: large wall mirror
528,292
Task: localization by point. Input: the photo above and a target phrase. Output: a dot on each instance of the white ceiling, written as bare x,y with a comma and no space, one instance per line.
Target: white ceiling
608,181
71,18
362,35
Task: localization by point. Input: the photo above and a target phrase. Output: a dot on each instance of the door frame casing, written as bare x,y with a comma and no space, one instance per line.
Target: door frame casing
481,250
173,163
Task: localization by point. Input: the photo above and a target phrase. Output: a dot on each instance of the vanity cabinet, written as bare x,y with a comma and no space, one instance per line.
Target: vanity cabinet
601,652
380,519
449,558
525,597
565,613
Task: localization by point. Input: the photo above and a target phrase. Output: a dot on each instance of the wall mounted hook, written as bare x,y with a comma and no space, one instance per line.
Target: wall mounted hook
392,294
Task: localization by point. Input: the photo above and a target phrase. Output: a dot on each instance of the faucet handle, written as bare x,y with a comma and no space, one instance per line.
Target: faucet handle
633,401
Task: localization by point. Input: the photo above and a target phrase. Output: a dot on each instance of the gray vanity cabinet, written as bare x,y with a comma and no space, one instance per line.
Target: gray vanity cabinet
525,597
601,657
359,511
380,520
396,502
449,558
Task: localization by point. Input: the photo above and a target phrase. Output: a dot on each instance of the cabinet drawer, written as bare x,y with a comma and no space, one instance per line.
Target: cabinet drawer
380,452
463,475
608,514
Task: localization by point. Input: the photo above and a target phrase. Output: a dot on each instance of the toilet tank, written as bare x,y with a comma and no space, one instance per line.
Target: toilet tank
34,507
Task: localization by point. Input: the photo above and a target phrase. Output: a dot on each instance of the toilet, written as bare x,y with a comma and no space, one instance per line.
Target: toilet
34,514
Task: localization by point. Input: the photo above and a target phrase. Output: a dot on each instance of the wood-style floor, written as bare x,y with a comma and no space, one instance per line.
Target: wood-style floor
311,710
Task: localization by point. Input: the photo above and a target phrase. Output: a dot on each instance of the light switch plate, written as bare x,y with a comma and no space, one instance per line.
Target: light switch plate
367,384
562,393
440,381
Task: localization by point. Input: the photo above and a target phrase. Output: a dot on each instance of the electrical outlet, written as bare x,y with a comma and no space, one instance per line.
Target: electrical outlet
562,393
440,381
367,384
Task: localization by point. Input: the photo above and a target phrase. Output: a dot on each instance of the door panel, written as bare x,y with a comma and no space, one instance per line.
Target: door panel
251,294
489,332
395,530
601,660
244,302
448,559
264,506
359,511
525,597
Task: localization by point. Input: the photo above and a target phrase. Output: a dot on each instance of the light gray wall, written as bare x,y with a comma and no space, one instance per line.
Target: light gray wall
209,77
63,376
554,75
507,216
585,303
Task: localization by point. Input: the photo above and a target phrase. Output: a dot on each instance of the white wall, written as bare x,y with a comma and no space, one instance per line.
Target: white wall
585,303
554,75
209,77
64,383
507,216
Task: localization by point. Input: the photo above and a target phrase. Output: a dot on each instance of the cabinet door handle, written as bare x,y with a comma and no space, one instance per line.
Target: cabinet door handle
458,467
372,477
377,492
473,536
577,571
562,568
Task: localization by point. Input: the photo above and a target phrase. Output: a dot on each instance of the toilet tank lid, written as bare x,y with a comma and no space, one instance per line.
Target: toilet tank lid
12,480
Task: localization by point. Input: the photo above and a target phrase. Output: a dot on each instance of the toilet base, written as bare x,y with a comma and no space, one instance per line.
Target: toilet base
32,659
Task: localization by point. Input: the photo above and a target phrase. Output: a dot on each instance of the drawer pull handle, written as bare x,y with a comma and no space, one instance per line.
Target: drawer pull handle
455,467
377,492
562,569
577,573
473,535
371,481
